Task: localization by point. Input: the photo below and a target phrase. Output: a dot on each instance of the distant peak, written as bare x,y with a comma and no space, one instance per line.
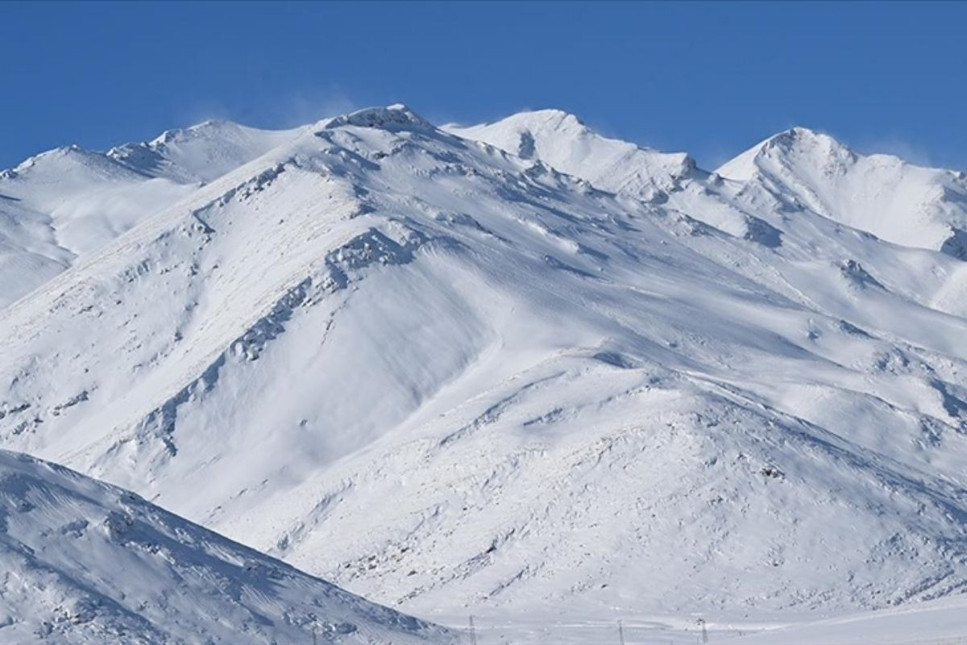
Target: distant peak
212,123
551,114
392,117
798,142
550,118
800,136
801,131
72,152
199,129
62,150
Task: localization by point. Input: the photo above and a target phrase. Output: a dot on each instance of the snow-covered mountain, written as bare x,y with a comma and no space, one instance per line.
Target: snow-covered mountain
881,194
84,562
521,365
65,203
562,141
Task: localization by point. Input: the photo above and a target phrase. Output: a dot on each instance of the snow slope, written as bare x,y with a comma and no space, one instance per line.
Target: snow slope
562,141
200,153
447,376
68,202
84,562
881,194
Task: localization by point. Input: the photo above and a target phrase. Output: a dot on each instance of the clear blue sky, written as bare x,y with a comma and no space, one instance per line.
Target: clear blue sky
708,78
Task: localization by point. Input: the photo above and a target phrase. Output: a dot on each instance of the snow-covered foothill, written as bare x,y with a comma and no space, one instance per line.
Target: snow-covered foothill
85,562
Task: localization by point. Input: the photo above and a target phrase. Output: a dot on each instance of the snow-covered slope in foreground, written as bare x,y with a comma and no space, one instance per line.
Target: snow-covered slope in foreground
446,376
84,562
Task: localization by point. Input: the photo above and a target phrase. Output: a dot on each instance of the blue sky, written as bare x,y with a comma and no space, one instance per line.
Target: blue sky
707,78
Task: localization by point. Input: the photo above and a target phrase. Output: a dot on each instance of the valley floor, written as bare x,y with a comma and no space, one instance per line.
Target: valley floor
940,622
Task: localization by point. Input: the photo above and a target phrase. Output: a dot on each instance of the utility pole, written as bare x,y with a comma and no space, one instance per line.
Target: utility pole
621,633
473,632
701,623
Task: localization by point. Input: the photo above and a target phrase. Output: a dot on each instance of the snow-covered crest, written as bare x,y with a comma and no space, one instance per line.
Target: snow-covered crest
448,372
563,141
897,201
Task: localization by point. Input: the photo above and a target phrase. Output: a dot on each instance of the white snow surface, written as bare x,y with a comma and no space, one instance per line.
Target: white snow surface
85,562
934,622
451,374
63,204
564,142
938,622
882,194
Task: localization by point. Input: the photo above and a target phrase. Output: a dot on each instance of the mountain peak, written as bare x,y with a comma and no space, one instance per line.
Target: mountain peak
201,152
799,137
797,143
550,117
59,160
206,129
880,194
802,132
393,118
564,142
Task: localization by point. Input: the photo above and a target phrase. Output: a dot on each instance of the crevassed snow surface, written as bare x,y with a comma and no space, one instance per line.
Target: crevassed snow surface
84,562
450,374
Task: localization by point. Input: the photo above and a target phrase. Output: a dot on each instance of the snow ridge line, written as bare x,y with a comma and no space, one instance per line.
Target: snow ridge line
342,267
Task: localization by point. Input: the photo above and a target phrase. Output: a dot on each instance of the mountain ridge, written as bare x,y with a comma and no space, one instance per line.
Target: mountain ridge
382,348
882,194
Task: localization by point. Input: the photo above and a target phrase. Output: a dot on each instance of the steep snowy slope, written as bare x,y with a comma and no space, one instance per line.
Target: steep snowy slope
202,152
69,202
446,376
84,562
562,141
882,194
800,169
